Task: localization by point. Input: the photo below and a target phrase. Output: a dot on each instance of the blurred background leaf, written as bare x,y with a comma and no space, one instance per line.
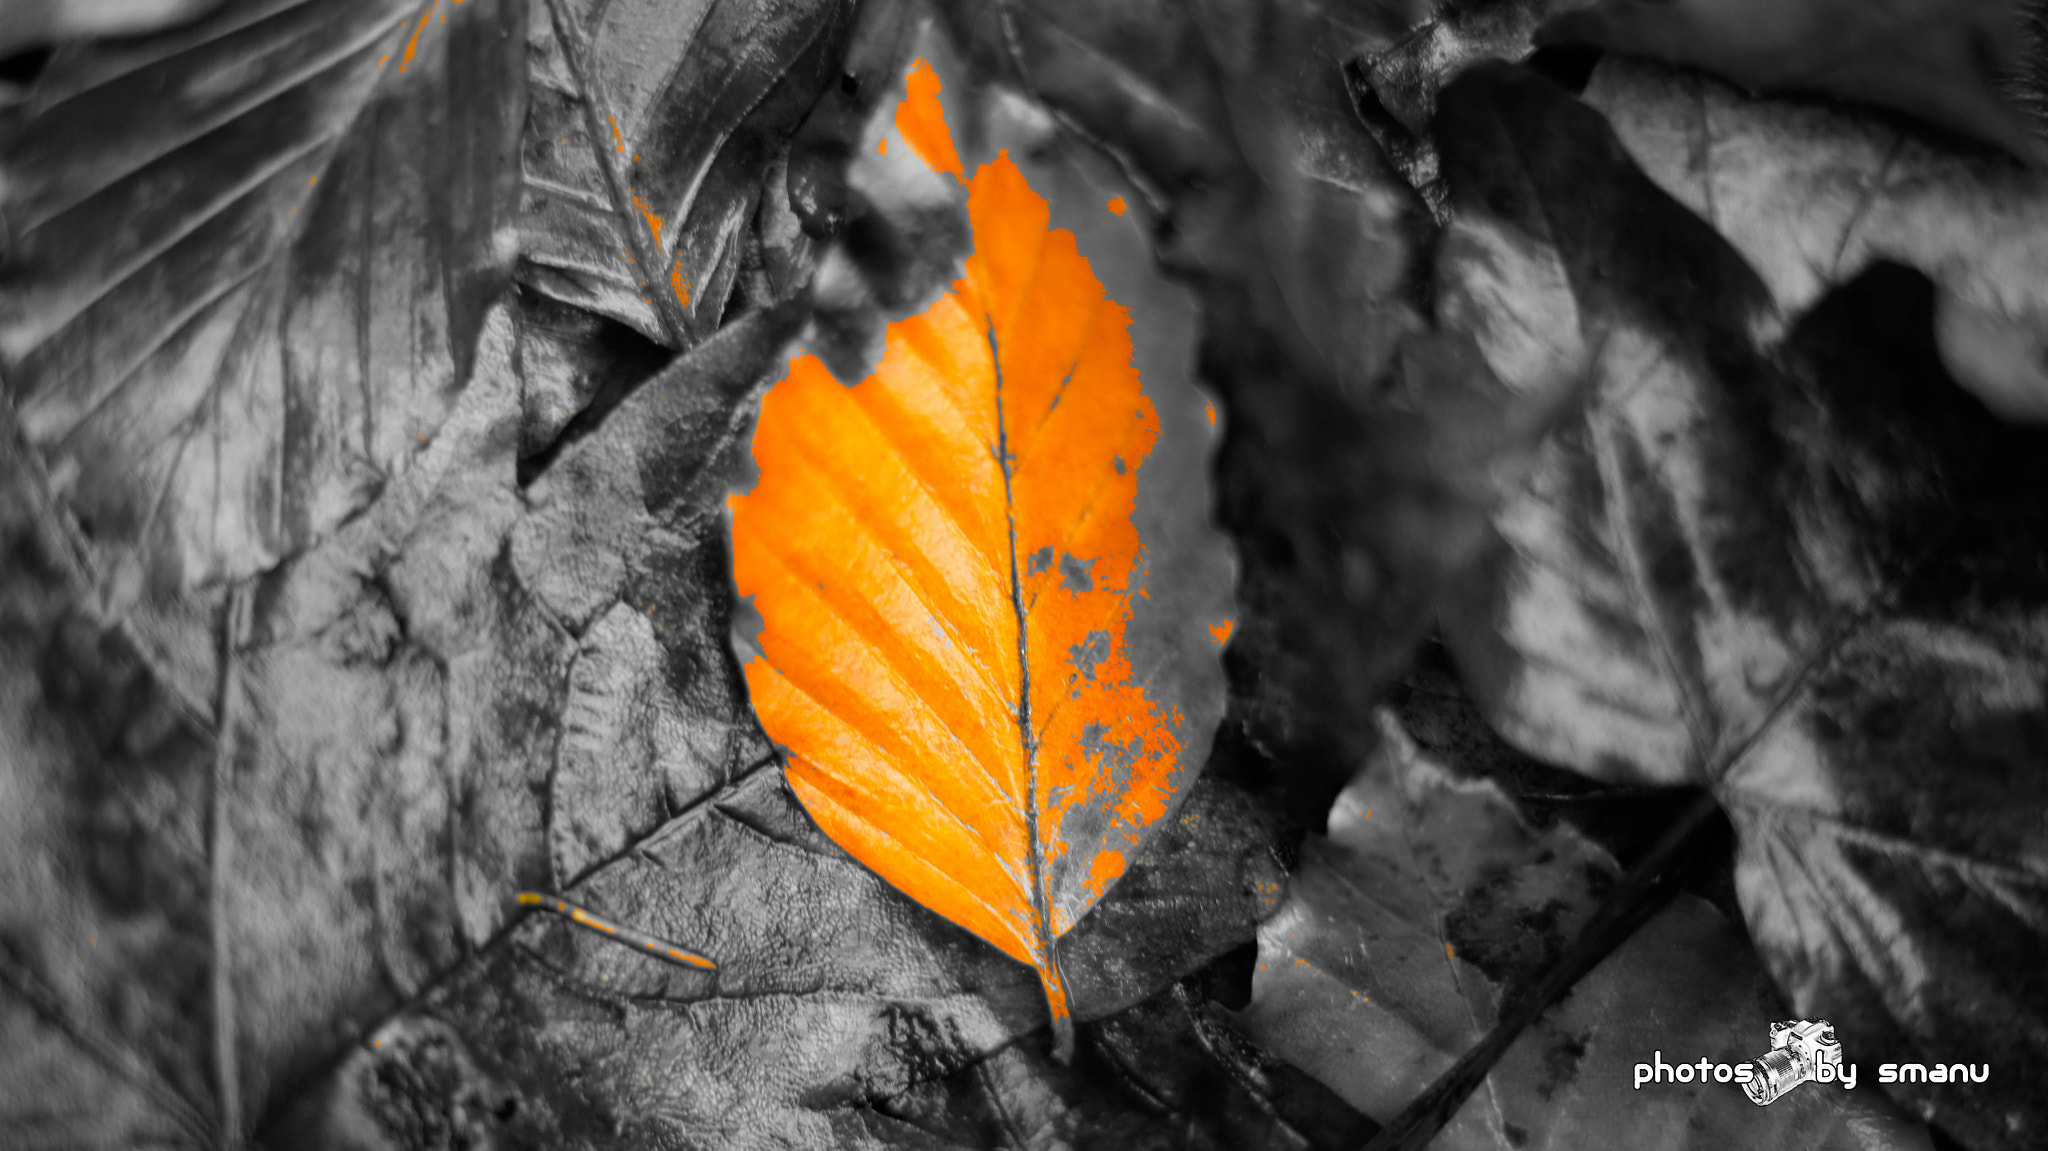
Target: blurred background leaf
1768,564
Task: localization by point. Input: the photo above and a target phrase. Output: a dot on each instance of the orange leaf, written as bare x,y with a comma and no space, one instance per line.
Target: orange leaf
979,695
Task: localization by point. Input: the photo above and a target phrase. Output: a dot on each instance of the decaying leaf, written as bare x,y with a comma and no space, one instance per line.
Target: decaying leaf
992,605
1350,489
1805,571
1941,60
247,266
1434,899
652,130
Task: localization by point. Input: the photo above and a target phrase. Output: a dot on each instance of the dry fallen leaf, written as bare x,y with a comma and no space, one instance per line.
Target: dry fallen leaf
994,674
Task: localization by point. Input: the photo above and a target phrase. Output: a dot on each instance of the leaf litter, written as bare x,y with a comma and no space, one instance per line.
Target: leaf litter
584,624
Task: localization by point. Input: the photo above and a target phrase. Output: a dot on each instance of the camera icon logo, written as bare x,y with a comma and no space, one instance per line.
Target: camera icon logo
1802,1050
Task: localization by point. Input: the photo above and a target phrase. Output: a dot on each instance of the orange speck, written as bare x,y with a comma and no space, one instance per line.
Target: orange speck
1108,865
413,45
921,119
387,56
653,221
882,146
1209,410
1116,204
311,180
679,284
1222,631
617,137
1449,952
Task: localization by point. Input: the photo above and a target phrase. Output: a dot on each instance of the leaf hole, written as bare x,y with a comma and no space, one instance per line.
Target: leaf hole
1569,66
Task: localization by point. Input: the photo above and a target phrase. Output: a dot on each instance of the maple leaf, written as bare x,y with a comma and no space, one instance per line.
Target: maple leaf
991,604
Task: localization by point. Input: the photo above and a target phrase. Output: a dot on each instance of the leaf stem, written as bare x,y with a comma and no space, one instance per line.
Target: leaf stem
1055,982
220,858
1641,893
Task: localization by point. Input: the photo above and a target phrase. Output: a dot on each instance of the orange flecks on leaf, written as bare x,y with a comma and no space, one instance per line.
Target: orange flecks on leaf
678,284
944,558
1209,410
1222,631
1116,205
921,120
618,137
412,46
653,218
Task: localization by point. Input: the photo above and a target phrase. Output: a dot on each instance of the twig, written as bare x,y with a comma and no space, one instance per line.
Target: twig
220,862
1641,893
